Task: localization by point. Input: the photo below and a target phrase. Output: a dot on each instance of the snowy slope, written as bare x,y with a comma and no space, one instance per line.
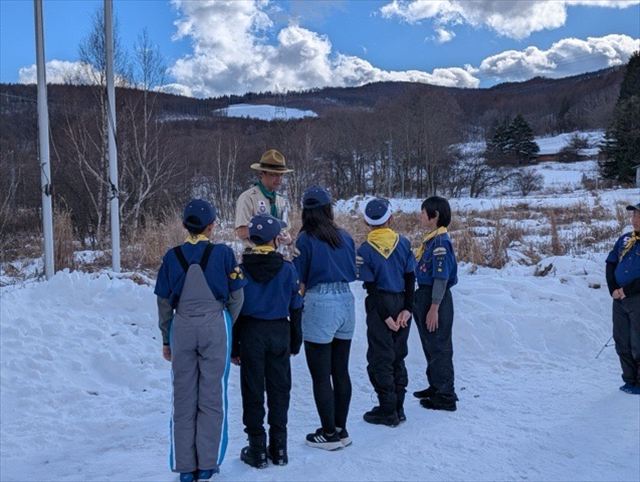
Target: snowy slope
84,392
265,112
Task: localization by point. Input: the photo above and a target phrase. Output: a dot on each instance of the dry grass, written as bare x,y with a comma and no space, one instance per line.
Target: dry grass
468,248
63,240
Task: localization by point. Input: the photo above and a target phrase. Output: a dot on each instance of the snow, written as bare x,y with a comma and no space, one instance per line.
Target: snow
85,393
264,112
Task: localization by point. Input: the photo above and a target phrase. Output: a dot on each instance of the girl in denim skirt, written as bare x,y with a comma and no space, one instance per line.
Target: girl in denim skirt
326,264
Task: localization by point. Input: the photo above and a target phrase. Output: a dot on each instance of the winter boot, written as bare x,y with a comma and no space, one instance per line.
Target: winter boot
378,416
206,474
439,402
277,450
630,388
255,454
188,476
426,393
322,440
400,406
344,436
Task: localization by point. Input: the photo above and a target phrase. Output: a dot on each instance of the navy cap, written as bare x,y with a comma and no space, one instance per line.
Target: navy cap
198,214
315,197
377,211
632,207
264,228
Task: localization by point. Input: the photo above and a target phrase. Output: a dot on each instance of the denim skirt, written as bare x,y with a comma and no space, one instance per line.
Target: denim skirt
329,312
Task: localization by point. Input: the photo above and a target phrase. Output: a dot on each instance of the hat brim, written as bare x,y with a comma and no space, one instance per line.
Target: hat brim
631,207
259,167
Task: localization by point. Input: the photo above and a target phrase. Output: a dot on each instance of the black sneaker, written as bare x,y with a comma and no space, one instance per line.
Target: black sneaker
322,440
378,417
254,456
344,436
426,393
438,403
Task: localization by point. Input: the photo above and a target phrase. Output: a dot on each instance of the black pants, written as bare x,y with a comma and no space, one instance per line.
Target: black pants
329,368
436,345
626,334
387,349
264,362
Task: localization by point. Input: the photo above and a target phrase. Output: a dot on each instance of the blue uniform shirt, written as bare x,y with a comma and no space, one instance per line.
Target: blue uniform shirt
276,298
320,263
438,261
387,273
222,273
627,268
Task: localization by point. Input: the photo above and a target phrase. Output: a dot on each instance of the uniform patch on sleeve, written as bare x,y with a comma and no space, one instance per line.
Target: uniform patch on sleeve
440,251
236,273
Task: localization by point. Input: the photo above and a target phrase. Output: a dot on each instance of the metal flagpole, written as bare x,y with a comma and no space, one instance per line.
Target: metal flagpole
113,152
43,134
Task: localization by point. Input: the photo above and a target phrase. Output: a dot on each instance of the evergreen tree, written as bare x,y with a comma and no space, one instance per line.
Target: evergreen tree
499,143
523,147
620,150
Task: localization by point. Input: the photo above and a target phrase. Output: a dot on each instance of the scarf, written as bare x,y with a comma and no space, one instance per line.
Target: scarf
635,236
271,196
383,240
263,249
196,239
427,238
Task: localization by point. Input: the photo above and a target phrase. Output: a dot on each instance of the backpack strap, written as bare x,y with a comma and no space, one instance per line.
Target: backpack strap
181,259
205,256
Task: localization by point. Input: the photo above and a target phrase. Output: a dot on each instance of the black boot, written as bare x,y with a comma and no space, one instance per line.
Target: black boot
378,416
277,450
426,393
255,454
400,406
438,402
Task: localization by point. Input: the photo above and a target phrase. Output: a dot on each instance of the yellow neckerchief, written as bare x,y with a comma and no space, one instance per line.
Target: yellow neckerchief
196,239
383,240
264,249
635,236
429,237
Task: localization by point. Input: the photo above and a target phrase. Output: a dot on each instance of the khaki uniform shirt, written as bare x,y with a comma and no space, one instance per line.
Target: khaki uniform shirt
253,202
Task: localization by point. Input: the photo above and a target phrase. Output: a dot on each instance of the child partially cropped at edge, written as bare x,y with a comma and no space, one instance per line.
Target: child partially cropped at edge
437,273
386,266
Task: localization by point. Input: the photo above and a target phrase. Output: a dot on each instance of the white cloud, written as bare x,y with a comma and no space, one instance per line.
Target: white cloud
59,72
568,56
443,35
511,18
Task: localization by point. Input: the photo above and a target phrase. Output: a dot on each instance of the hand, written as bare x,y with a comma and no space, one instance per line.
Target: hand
284,238
403,319
392,324
432,318
166,352
618,294
235,360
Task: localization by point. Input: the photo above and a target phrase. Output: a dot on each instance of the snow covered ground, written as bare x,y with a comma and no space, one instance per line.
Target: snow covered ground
84,392
265,112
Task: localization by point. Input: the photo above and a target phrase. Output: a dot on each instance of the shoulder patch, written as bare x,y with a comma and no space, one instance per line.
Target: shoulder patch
236,273
440,251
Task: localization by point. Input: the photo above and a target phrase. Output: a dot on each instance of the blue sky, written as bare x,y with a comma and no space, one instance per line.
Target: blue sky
213,48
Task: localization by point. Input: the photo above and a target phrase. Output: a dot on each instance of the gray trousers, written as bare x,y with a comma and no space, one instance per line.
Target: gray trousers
200,348
626,334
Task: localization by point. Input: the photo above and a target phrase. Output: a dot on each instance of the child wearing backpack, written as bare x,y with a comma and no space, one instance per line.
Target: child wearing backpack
267,333
437,273
199,291
386,266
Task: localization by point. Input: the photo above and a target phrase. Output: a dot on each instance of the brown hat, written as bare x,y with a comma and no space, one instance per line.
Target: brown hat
272,161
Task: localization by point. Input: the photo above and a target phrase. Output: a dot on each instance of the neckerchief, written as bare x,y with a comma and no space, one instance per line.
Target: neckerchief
383,240
635,236
264,249
271,196
196,239
429,237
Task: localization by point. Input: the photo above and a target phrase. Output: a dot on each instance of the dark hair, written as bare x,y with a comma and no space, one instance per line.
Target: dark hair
318,222
190,225
438,205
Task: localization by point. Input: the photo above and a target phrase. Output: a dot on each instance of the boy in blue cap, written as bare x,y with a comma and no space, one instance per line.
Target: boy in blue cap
623,280
267,333
199,290
386,266
437,273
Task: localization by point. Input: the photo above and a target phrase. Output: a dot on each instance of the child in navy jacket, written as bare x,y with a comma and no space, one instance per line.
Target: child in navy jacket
268,333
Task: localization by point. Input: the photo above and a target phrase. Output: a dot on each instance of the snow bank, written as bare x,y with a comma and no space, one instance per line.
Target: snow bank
264,112
85,393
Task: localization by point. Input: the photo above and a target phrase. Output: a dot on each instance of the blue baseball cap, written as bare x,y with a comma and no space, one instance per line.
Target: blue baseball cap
264,228
377,211
198,214
315,197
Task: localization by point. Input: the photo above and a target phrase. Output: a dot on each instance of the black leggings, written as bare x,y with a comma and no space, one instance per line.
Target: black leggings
329,367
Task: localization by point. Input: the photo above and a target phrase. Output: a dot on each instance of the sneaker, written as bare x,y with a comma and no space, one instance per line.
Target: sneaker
438,403
254,457
378,417
188,476
426,393
630,388
344,436
322,440
207,474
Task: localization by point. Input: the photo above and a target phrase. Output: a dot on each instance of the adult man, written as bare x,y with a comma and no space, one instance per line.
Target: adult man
262,198
623,280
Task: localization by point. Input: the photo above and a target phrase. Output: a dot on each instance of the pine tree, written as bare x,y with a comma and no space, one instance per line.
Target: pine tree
523,148
620,150
499,144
